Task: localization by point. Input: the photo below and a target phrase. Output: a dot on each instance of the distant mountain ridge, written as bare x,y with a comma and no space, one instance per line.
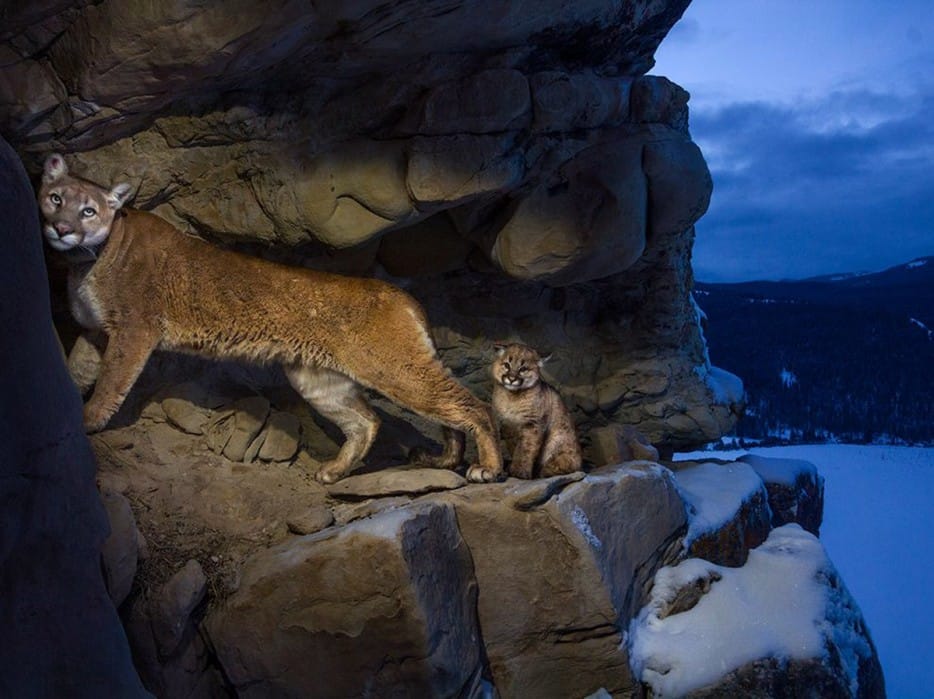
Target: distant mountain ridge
835,357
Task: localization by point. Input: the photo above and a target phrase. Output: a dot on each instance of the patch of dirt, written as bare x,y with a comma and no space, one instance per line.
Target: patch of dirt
191,503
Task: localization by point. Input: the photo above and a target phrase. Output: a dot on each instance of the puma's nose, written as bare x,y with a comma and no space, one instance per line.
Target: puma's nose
63,228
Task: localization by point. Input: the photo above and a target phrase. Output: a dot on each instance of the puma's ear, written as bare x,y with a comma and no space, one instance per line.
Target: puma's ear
542,360
117,196
499,348
54,168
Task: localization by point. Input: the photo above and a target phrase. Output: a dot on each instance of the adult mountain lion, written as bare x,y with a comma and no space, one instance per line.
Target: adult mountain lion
148,286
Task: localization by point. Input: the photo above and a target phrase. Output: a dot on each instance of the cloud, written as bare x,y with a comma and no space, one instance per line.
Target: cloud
841,183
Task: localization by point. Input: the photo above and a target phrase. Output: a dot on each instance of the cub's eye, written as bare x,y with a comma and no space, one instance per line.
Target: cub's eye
523,370
506,366
55,199
88,212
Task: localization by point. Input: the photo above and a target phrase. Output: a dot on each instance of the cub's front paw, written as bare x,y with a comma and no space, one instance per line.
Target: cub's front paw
481,474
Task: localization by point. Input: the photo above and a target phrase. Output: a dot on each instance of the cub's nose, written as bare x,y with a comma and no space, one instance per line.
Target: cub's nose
63,228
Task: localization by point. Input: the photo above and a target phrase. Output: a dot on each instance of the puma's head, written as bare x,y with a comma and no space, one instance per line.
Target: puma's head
516,366
77,213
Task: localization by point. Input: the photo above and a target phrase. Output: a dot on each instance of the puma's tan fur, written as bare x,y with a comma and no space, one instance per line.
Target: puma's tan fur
151,286
536,425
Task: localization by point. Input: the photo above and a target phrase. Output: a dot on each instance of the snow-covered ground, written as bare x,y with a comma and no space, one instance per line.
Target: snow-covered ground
878,512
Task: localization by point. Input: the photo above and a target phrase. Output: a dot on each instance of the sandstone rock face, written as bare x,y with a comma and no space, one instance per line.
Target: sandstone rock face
540,575
380,607
521,155
570,569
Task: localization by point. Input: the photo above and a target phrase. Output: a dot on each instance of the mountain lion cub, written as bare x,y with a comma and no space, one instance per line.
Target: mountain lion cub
148,286
536,425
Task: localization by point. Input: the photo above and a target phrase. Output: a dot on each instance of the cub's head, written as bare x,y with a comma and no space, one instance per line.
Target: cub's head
77,213
517,367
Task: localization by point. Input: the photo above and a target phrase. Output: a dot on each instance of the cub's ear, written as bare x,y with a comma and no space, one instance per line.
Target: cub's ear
546,358
499,348
54,168
117,196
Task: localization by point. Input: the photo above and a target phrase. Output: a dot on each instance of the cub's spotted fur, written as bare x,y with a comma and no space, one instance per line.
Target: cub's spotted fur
147,286
536,425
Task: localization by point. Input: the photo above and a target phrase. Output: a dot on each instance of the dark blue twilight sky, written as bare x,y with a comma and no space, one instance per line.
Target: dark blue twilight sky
817,121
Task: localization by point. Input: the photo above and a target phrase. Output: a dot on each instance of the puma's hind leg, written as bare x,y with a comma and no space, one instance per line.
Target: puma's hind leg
341,401
451,455
454,406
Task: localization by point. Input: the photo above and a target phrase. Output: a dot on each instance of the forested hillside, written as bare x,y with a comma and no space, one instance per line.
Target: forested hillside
847,357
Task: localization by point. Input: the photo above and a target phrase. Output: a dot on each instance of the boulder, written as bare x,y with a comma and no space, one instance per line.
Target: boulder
173,605
232,430
589,224
120,553
383,606
569,564
795,488
309,521
187,407
615,444
728,510
413,481
279,440
783,624
566,101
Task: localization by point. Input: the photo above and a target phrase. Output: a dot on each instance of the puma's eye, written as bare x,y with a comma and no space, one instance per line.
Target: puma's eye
506,366
88,212
55,199
523,370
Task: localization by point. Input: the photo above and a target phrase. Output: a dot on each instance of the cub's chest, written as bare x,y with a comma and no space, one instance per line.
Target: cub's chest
518,407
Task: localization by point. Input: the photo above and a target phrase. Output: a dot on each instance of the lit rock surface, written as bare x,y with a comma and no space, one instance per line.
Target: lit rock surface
383,605
521,156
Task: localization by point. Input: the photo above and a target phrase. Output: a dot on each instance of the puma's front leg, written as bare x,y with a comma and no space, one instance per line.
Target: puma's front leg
123,360
528,446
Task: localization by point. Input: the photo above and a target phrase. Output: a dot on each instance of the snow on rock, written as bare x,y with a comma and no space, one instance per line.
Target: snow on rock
727,507
785,604
727,388
784,471
795,490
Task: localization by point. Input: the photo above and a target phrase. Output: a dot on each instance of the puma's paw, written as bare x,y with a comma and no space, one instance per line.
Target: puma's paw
481,474
330,473
94,421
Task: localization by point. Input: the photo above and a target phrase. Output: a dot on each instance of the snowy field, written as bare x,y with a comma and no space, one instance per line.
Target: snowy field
879,502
